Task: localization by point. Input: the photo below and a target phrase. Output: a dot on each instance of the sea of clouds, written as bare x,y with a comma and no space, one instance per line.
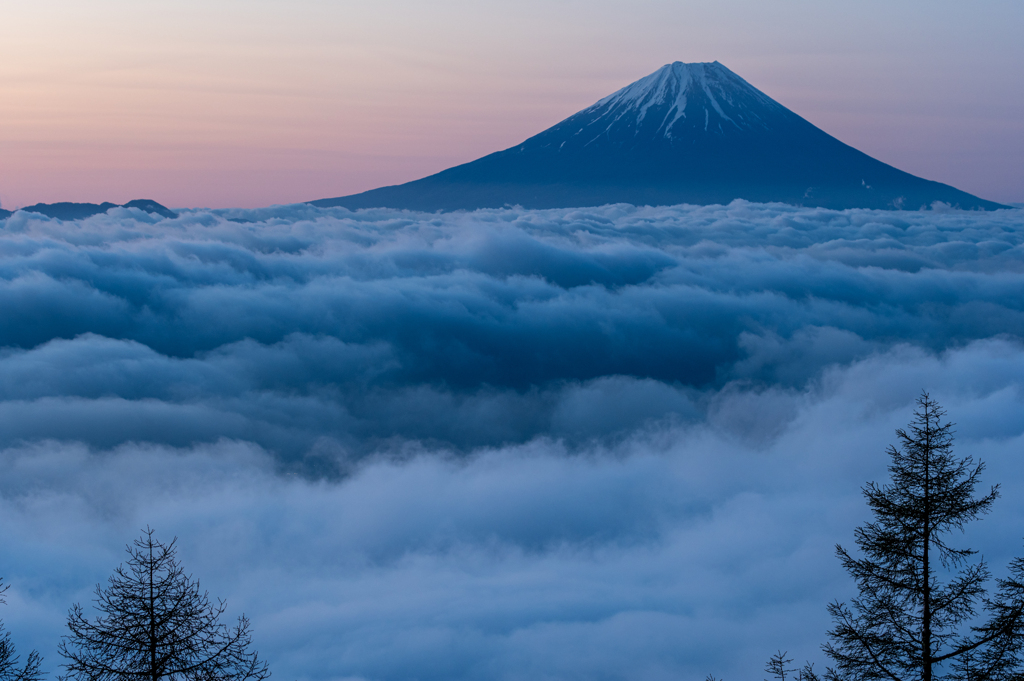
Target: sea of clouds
610,443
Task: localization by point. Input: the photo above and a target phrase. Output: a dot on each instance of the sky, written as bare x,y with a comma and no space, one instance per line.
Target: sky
262,102
616,443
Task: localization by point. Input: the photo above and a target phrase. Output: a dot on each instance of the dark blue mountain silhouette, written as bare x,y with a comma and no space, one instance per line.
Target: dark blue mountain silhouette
687,133
76,211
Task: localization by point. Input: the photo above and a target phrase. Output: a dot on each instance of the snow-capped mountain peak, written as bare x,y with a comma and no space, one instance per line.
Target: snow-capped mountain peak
702,97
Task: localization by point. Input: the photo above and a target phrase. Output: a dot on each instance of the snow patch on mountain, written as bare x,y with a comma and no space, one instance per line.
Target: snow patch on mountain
679,90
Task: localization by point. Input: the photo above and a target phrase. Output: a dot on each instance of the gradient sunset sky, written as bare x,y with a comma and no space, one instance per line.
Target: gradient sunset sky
230,103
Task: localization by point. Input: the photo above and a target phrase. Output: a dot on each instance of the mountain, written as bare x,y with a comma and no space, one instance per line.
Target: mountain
66,210
687,133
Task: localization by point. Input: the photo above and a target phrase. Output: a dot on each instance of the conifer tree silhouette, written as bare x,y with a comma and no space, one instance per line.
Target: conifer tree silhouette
156,625
9,659
923,612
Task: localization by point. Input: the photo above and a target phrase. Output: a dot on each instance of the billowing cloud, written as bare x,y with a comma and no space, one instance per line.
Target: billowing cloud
614,443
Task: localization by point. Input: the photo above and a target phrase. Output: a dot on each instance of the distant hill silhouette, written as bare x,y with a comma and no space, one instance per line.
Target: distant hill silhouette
687,133
76,211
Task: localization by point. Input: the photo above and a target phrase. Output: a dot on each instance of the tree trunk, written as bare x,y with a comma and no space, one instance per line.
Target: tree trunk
926,615
152,620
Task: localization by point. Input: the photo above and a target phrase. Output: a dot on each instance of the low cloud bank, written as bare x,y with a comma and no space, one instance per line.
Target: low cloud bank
615,443
678,551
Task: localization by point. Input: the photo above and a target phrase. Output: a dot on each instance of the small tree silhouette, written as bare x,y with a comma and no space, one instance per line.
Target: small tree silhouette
156,624
9,669
777,666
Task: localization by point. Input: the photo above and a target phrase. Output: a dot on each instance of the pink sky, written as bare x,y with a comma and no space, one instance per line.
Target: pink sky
265,101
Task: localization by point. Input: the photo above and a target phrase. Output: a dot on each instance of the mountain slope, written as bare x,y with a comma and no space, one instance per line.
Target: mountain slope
687,133
67,210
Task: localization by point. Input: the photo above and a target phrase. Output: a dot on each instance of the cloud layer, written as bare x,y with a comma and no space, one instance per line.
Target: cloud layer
305,330
614,443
